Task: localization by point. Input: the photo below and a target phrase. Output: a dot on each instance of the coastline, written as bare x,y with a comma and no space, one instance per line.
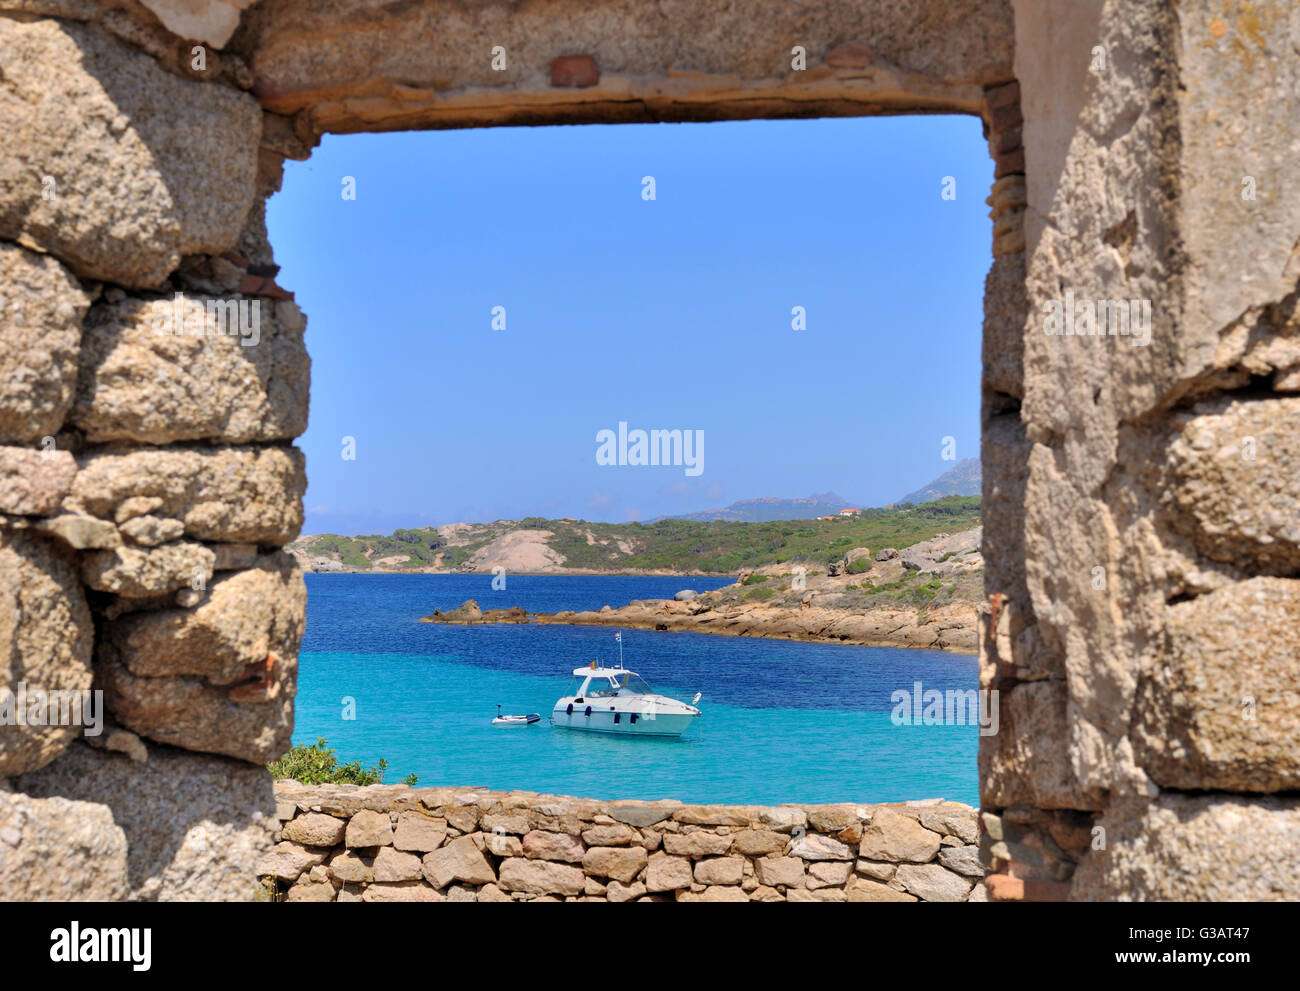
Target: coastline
925,597
949,629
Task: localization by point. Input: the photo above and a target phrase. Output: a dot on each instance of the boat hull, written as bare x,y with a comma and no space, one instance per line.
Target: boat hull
660,724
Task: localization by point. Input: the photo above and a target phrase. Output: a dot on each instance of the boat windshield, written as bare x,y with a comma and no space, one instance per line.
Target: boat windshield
625,683
599,688
632,684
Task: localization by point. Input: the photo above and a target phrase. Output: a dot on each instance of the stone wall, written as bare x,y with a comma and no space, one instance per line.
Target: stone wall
147,472
1143,639
1141,538
393,843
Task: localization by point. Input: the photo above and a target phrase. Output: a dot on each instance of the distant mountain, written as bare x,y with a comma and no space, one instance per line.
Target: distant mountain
769,509
963,478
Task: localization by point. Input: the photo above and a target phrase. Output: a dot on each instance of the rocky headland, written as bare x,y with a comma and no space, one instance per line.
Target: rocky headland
923,596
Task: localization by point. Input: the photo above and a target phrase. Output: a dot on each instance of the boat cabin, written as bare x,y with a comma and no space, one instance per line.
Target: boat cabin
599,683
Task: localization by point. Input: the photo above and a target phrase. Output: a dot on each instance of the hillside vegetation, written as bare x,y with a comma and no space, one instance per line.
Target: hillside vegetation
964,478
669,545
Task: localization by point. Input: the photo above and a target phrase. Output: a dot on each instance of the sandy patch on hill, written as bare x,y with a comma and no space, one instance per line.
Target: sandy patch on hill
455,533
518,551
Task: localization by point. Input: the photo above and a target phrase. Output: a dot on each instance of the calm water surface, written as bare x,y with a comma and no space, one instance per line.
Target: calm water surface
783,721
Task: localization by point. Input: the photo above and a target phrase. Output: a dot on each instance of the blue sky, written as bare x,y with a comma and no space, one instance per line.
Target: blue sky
666,314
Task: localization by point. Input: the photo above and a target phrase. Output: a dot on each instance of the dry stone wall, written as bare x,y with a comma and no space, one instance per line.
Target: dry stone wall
388,843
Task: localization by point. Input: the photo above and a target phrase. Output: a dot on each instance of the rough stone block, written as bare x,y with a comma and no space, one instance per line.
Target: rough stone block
195,825
45,640
33,483
697,843
894,837
254,725
1220,706
141,572
619,863
419,832
1195,848
57,850
667,873
1230,478
160,371
933,883
861,889
541,877
134,189
396,865
540,844
41,309
1027,762
232,494
460,860
369,828
774,871
314,829
246,616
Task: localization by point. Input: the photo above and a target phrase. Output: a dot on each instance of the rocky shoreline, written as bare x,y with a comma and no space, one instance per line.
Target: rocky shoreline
925,596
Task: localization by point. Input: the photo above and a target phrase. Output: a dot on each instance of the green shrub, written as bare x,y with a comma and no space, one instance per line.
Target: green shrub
754,580
315,764
860,565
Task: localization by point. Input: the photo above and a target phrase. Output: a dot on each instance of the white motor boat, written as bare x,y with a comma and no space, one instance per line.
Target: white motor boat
615,700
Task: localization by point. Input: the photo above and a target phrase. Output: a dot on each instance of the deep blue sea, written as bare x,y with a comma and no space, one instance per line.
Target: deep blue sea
783,721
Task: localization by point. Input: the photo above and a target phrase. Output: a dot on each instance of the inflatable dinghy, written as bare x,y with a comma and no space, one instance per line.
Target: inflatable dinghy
521,720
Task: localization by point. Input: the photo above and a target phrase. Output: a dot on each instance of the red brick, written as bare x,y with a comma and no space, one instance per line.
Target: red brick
1009,163
574,71
271,291
249,284
1005,118
1005,888
235,258
1003,96
854,55
1047,891
1007,141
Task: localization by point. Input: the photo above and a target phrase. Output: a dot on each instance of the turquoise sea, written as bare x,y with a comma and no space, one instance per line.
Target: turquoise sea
783,721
